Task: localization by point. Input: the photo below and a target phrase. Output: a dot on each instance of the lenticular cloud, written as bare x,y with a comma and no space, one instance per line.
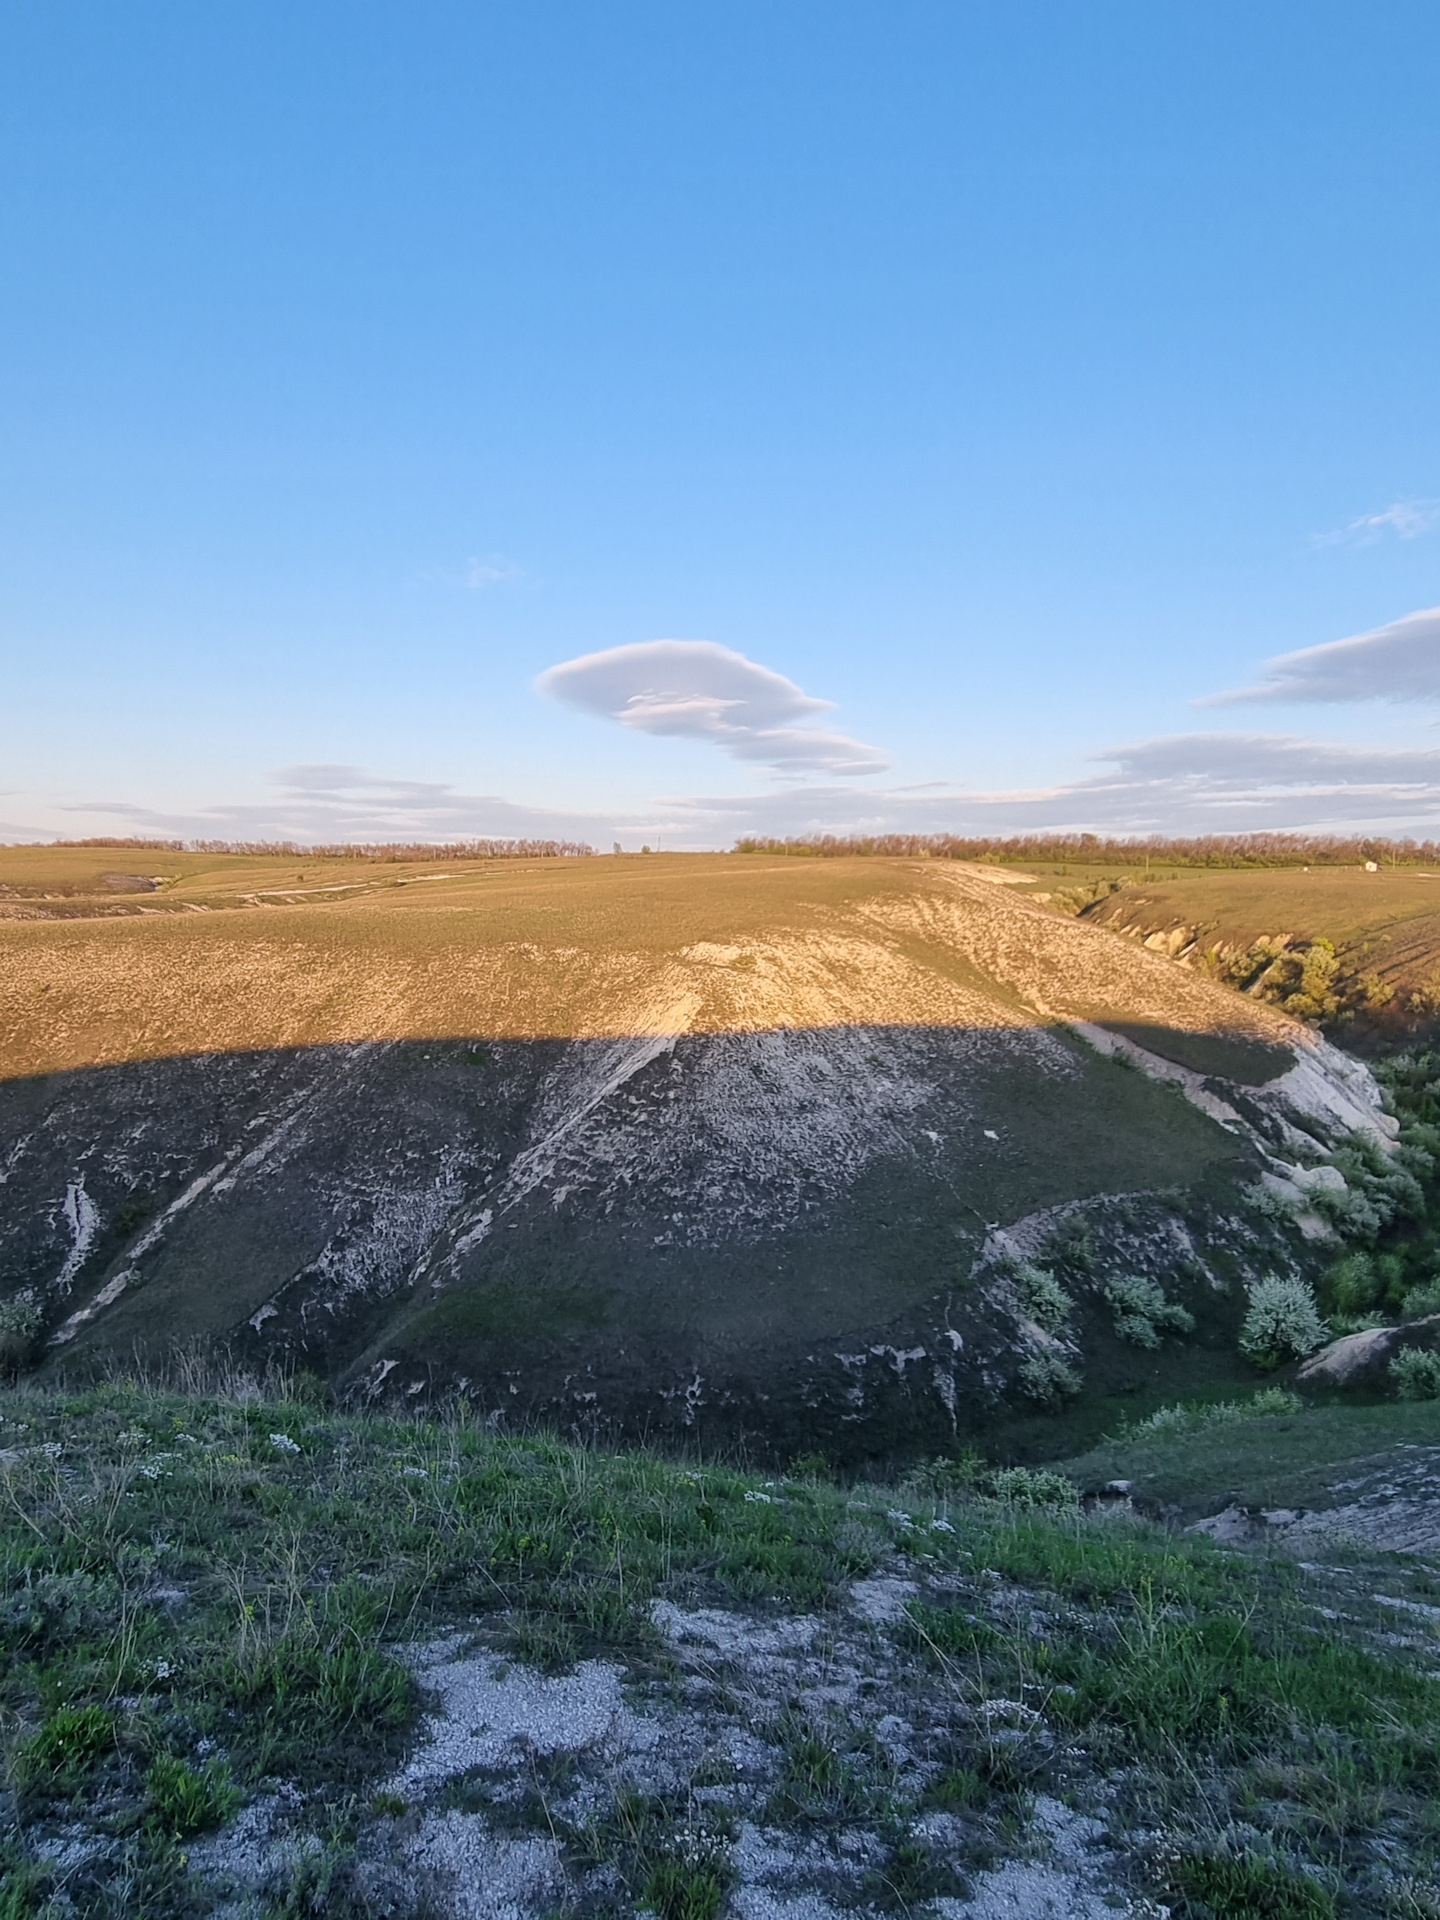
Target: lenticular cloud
1397,662
702,691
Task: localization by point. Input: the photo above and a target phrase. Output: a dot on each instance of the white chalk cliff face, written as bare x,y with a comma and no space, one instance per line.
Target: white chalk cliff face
760,1185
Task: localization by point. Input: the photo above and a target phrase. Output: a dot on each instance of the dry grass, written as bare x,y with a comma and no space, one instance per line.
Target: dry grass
285,954
1385,926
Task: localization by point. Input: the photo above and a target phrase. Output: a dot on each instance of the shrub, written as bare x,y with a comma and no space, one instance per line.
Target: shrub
1268,1401
19,1327
1167,1420
968,1474
944,1475
1265,1404
1416,1374
1033,1487
1282,1322
1047,1302
1378,1189
1048,1379
1142,1313
1421,1300
47,1611
1352,1285
1343,1323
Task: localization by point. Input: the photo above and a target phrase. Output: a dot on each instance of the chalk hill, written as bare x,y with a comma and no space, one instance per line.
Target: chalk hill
714,1144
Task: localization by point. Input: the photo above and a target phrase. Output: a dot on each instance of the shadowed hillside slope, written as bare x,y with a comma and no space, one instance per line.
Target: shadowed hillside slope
706,1144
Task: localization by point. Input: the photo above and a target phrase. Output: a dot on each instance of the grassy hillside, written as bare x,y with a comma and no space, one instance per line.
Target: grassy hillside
888,1165
266,1659
718,1145
638,1137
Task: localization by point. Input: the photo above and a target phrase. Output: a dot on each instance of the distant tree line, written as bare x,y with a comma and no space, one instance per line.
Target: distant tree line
361,850
1205,850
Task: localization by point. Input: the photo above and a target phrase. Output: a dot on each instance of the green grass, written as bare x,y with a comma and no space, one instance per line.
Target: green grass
1210,1688
821,1780
671,1857
487,1311
1292,1460
1239,1887
185,1800
1218,1679
66,1748
308,1545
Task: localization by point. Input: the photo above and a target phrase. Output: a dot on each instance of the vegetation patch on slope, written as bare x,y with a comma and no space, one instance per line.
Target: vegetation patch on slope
215,1690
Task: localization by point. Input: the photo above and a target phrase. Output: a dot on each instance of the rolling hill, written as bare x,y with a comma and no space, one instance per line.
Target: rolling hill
721,1147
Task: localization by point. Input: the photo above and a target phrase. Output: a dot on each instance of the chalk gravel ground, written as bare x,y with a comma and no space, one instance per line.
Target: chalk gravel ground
515,1771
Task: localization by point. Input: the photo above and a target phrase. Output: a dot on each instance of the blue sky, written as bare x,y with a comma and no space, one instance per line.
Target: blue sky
1010,379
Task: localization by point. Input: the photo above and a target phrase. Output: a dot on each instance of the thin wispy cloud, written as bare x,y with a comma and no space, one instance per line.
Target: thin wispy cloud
697,690
1396,662
324,802
1199,782
1175,784
492,571
1260,761
1406,519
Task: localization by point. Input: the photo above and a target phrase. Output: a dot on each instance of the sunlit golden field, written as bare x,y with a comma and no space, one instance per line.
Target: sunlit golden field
233,952
1383,926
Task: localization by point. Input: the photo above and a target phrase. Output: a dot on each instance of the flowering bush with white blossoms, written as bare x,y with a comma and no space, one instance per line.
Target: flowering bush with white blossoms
1282,1323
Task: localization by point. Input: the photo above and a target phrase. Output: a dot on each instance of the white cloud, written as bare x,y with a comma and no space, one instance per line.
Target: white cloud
1273,759
1178,784
703,691
322,803
1397,662
1407,519
491,571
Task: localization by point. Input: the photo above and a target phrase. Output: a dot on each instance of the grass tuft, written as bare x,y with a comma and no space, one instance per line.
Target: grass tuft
185,1800
57,1759
1241,1887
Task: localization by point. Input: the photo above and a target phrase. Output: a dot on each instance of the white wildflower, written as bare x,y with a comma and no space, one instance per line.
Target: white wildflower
758,1499
282,1443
